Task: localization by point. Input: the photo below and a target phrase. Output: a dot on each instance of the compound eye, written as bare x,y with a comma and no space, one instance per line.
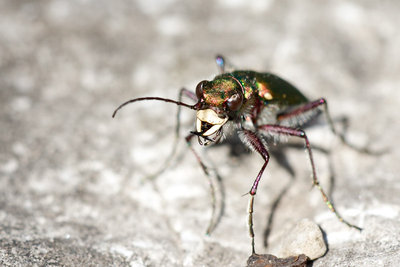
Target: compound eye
235,102
199,89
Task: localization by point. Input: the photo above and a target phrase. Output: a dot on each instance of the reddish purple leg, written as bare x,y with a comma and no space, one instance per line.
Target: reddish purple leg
307,107
255,142
313,105
300,133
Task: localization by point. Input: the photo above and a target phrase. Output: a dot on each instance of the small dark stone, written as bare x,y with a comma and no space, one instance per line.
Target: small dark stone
268,260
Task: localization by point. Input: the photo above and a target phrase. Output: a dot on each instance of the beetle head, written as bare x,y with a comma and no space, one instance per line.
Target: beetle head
218,101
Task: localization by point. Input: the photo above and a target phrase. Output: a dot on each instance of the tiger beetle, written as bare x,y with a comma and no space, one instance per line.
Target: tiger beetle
256,105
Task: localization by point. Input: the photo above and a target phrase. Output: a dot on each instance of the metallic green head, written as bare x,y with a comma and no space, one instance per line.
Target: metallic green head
219,100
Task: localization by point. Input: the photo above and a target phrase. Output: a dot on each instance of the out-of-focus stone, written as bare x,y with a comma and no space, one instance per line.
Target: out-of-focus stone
268,260
305,238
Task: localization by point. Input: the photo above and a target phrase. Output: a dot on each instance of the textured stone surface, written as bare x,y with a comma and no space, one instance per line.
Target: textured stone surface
267,260
71,190
305,238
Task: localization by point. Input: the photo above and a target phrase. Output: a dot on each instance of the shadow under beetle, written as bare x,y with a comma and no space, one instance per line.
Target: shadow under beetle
256,105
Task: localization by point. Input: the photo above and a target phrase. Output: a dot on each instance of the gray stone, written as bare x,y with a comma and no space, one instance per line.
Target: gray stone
305,238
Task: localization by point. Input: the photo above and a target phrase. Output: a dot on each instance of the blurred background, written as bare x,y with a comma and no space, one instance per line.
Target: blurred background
72,189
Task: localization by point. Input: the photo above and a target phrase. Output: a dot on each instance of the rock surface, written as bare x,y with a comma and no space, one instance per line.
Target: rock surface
71,178
305,238
267,260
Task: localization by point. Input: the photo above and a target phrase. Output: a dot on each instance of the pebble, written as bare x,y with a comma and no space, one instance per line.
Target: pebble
305,238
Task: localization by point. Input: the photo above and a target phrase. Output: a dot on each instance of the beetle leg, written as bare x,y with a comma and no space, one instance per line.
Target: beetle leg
314,105
300,133
220,63
251,139
303,109
167,162
214,218
223,65
189,94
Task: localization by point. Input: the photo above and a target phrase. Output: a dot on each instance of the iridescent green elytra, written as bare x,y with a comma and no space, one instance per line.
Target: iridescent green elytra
269,88
266,87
